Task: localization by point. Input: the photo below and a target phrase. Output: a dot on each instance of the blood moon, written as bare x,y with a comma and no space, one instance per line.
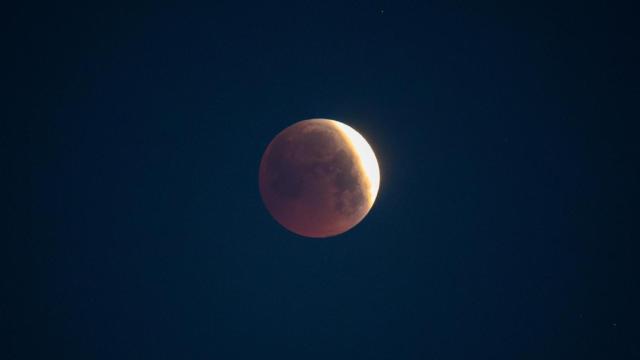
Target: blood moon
319,178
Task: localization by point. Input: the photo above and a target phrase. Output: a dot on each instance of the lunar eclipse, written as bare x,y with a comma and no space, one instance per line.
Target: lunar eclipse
319,178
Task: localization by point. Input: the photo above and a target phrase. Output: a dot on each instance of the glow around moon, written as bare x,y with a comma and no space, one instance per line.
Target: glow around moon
319,178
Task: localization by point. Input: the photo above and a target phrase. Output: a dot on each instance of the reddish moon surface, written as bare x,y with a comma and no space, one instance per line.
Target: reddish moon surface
318,178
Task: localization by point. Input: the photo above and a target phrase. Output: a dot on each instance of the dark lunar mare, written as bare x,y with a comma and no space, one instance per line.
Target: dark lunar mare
287,178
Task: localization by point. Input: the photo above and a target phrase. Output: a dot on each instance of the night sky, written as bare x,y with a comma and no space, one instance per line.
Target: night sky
505,226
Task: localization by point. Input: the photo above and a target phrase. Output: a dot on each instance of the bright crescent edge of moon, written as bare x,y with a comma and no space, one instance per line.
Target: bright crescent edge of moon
366,158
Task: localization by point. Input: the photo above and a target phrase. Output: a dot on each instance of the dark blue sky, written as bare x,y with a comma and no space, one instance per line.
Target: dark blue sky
505,226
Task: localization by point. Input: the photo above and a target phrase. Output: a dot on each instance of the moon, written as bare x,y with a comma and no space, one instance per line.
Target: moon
319,178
